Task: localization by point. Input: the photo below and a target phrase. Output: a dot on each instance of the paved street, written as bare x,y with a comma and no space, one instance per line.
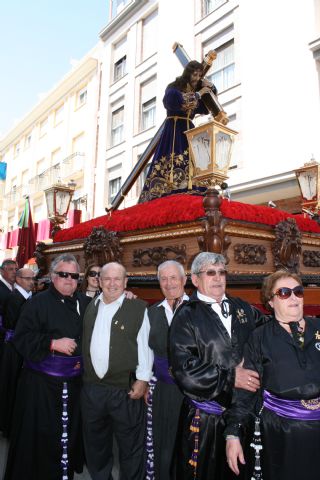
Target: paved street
3,455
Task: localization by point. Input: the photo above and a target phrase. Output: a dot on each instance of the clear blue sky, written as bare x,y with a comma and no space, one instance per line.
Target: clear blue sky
38,39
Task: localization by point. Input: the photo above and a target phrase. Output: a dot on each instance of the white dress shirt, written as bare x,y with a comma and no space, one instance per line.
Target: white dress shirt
217,309
168,311
100,341
23,292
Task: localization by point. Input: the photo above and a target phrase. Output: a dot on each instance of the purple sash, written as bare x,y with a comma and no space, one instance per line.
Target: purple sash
161,370
58,366
8,335
208,407
294,409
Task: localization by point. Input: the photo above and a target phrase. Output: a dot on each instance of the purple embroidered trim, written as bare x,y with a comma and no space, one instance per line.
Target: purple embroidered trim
64,438
208,407
149,436
58,366
294,409
8,335
161,370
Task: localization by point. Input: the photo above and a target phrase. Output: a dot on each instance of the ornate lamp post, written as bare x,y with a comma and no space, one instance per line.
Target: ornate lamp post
308,178
210,146
58,198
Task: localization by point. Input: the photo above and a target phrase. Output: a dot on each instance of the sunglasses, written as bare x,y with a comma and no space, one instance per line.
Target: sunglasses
285,292
74,276
93,273
213,273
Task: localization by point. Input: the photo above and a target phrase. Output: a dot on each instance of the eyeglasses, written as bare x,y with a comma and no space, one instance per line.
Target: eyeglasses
285,292
74,276
93,273
213,273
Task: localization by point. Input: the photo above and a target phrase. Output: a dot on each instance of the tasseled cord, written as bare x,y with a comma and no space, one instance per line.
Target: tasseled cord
256,444
195,428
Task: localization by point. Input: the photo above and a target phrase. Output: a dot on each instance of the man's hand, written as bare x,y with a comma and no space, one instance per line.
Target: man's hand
246,379
234,452
130,295
64,345
138,389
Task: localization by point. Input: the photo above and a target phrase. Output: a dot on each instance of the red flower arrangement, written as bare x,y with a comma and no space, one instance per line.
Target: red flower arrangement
177,209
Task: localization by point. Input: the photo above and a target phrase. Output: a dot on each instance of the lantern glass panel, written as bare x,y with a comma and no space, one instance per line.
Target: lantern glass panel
50,203
62,202
201,146
223,143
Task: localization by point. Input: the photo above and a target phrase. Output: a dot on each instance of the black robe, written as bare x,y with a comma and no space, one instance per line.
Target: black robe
203,359
167,401
4,294
35,450
11,362
290,447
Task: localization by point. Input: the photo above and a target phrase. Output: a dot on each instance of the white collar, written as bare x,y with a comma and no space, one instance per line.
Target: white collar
119,300
204,298
23,292
166,305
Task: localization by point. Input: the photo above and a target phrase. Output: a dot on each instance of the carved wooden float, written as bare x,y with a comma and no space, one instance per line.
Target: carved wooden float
253,248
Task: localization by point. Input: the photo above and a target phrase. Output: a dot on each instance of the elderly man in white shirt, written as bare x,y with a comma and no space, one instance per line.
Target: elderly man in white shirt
165,398
117,368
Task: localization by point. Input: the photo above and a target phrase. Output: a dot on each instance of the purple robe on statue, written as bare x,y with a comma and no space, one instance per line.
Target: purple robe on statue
169,170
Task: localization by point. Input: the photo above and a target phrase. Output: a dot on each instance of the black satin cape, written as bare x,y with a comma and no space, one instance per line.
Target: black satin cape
203,358
290,447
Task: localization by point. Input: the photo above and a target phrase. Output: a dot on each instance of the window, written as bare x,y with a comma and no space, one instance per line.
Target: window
43,127
78,143
114,187
58,115
24,182
17,149
119,59
27,141
148,103
148,119
150,35
56,156
40,166
119,69
210,5
117,129
222,72
81,97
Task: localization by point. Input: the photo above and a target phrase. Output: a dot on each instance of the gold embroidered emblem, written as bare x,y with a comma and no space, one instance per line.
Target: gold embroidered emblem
313,404
317,335
241,316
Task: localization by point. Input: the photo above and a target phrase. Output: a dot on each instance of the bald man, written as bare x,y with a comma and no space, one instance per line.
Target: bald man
117,368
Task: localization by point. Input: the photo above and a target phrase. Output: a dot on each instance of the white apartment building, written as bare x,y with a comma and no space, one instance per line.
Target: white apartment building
266,72
55,141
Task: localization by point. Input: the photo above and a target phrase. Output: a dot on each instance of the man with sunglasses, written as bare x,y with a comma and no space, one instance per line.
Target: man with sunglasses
11,361
206,342
45,440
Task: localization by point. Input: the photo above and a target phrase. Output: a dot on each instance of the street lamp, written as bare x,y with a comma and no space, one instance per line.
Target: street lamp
58,198
308,178
210,147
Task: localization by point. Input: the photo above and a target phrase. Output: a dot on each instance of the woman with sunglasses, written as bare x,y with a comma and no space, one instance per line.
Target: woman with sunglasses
90,284
286,353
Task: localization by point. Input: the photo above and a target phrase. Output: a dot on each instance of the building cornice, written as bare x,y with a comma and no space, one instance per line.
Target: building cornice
121,18
71,82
